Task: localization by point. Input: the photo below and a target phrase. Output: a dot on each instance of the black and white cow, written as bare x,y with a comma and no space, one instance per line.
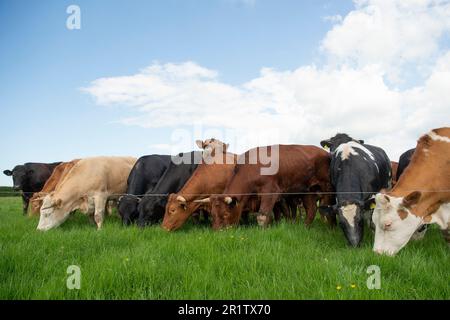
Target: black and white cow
404,161
358,171
153,205
144,176
30,178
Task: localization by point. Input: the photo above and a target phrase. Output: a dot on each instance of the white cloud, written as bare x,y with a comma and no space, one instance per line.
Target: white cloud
309,103
392,33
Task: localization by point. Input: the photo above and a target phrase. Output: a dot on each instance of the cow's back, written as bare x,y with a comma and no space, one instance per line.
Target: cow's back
298,166
97,174
146,173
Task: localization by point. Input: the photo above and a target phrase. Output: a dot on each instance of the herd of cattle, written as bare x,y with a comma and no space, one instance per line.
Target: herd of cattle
350,182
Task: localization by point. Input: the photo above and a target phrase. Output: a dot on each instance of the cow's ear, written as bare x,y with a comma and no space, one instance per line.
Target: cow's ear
411,199
326,144
227,145
369,204
361,141
199,143
8,173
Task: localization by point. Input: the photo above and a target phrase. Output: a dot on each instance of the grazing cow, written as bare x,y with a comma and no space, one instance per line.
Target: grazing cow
394,168
57,176
358,171
300,169
403,162
421,195
143,178
151,208
210,177
30,178
87,186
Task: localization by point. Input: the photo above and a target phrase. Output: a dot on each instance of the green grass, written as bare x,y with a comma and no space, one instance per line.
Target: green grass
286,261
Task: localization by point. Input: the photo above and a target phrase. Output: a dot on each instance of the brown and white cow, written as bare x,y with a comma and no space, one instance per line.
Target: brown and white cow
268,172
421,195
57,176
87,187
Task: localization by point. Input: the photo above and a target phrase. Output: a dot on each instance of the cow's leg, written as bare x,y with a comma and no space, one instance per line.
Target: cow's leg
292,204
245,217
277,211
25,203
309,202
266,207
100,205
110,207
446,234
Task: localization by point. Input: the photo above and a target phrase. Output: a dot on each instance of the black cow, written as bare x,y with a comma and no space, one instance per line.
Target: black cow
30,178
142,179
152,207
357,171
404,161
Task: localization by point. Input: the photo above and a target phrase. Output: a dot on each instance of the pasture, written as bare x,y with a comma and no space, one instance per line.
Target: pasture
285,261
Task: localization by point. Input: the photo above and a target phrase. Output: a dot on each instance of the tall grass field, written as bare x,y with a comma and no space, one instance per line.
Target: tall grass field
285,261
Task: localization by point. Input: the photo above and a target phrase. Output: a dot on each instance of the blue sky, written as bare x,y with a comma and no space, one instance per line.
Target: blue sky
43,66
45,117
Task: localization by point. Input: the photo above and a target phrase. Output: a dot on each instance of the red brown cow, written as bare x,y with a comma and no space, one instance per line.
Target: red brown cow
268,172
421,195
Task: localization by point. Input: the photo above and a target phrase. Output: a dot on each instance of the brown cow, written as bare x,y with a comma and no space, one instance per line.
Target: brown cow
207,179
293,168
50,185
394,168
421,195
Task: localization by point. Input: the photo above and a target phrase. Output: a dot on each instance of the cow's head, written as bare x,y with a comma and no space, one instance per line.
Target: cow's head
352,215
212,146
225,211
128,208
151,209
394,222
333,143
52,213
36,202
178,210
351,221
20,175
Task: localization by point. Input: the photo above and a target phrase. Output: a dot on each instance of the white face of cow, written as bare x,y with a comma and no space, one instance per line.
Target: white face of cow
394,224
52,214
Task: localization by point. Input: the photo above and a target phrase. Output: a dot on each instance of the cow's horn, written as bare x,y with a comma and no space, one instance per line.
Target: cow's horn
206,200
228,200
181,199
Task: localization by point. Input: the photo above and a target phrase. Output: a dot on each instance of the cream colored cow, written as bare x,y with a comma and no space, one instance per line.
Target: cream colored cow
87,187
